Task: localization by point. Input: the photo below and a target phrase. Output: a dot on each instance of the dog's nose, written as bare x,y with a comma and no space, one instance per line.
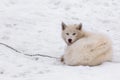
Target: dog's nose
69,40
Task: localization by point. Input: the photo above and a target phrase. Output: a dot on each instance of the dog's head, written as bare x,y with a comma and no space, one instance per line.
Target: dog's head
71,33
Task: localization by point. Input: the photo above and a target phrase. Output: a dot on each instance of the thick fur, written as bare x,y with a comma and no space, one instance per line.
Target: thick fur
86,48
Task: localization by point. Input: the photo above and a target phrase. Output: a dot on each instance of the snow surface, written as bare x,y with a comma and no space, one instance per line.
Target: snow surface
34,27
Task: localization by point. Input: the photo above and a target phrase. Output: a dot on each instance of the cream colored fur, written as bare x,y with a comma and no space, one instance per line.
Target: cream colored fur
86,48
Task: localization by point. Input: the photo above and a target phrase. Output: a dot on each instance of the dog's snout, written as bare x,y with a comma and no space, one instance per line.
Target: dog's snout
70,40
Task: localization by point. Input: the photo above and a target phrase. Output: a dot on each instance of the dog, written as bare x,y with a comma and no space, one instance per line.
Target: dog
83,47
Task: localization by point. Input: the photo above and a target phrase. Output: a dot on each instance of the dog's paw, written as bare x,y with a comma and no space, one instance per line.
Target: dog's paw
62,59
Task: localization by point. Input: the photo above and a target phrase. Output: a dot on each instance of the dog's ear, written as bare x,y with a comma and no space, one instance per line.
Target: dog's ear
63,26
79,27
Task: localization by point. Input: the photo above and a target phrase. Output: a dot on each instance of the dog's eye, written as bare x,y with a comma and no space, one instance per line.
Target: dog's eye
74,34
67,33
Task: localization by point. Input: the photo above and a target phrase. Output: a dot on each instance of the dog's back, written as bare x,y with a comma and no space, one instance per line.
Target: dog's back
91,50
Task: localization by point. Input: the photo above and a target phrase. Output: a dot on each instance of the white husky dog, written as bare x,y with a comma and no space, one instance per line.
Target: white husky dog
85,48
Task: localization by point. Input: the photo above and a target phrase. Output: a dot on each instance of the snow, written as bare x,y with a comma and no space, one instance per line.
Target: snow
34,27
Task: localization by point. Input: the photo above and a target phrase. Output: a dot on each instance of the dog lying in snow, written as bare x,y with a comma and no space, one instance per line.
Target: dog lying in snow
85,48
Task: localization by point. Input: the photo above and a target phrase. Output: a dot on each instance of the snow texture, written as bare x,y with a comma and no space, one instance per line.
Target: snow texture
34,27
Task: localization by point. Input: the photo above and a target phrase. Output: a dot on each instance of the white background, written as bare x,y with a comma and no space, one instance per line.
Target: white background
34,27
